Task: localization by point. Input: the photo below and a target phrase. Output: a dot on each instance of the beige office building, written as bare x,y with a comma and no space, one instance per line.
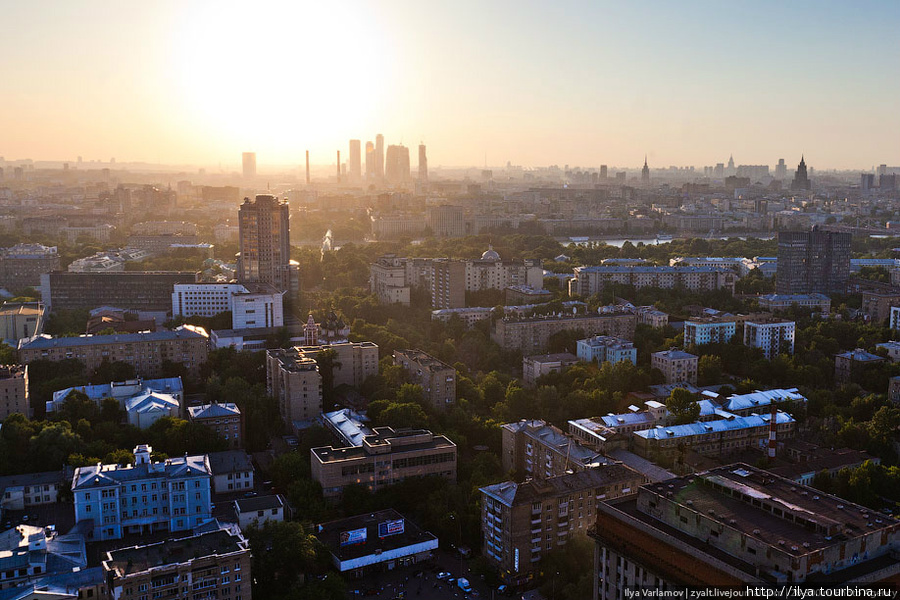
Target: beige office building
384,458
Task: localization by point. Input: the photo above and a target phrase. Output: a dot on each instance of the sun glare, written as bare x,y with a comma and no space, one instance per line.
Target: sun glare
281,77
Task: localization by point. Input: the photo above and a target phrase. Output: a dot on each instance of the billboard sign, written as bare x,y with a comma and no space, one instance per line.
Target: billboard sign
390,528
354,536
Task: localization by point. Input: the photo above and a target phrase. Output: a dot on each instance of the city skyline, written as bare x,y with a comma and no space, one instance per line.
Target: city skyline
528,84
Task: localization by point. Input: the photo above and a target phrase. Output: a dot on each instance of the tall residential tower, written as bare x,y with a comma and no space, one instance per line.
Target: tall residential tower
264,243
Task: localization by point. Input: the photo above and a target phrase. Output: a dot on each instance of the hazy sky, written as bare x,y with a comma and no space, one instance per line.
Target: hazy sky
532,82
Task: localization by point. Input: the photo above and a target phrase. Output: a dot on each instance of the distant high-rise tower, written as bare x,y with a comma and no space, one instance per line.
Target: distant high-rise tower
645,172
355,161
801,179
264,242
781,170
379,157
370,161
307,167
730,169
423,164
338,166
813,261
249,163
396,168
603,171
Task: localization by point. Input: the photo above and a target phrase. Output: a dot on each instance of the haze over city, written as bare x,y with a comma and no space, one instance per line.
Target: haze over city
532,83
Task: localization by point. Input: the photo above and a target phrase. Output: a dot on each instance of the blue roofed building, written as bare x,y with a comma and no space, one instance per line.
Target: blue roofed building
146,497
712,438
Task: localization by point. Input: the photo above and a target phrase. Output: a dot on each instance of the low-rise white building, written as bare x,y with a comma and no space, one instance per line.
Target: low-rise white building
232,471
122,391
148,407
257,511
251,305
534,367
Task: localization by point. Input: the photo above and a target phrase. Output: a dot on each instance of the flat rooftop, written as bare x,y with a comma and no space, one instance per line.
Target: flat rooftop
330,533
795,518
128,561
434,442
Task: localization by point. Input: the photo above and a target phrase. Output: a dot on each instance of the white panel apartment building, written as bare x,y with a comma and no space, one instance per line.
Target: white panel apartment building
260,306
773,336
708,331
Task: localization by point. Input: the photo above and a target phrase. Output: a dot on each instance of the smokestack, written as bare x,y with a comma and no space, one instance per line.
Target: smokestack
307,167
339,166
773,424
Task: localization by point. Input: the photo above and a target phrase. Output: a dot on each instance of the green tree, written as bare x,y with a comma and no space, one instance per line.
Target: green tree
409,415
683,406
709,370
52,446
283,553
328,362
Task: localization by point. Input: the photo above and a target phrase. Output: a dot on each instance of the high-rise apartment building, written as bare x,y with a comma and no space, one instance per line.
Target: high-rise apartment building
248,160
295,383
423,164
523,522
813,261
396,168
355,161
379,157
265,248
448,284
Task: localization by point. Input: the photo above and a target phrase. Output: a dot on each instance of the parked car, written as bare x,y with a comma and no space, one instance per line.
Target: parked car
463,584
443,575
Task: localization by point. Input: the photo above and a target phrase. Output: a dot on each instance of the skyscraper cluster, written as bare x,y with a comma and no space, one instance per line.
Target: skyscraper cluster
390,164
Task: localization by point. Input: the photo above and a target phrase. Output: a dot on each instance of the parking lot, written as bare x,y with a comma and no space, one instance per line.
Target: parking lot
420,581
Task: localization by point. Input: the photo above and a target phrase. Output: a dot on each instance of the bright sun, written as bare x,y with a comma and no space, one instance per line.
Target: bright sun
278,77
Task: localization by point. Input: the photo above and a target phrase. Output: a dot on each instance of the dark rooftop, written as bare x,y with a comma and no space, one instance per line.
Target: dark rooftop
132,560
329,534
753,501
